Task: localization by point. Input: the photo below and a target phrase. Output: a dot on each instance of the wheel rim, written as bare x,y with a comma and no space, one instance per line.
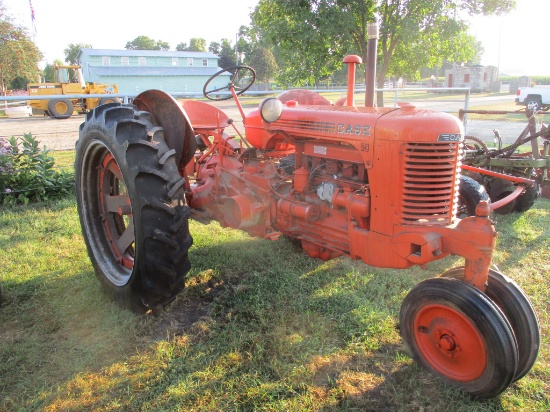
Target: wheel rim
518,310
61,107
472,143
533,105
450,343
116,212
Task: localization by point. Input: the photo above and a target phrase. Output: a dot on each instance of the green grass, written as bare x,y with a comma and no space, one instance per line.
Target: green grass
260,326
64,159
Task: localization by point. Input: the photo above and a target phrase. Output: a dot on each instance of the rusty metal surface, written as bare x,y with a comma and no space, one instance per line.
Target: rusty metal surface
168,114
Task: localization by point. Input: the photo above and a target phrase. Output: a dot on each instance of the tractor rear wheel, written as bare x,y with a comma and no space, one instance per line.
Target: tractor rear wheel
60,108
453,330
517,308
470,193
130,200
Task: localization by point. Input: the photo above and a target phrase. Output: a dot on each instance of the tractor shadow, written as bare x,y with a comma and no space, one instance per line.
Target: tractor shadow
336,320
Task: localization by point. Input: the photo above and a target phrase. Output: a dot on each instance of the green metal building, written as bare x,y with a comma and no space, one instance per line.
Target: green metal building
134,71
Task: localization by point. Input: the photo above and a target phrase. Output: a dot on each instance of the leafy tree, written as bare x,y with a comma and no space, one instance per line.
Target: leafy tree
263,62
146,43
49,75
71,52
304,36
413,33
19,56
19,83
214,47
196,44
227,54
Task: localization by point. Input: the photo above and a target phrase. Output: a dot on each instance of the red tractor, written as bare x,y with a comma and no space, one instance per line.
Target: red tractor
375,184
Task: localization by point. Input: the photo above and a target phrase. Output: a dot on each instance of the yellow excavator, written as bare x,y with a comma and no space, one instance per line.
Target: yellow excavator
69,81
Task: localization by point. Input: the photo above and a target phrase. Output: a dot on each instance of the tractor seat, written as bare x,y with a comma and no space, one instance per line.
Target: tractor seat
204,116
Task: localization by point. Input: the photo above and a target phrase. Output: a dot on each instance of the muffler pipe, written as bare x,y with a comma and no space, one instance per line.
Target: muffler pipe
370,76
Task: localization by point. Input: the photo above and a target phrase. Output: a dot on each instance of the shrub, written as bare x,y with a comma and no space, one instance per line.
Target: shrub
27,173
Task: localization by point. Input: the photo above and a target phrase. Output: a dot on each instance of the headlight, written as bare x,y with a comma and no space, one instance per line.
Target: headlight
271,109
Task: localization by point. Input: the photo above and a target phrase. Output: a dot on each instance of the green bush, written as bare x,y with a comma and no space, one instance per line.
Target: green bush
27,173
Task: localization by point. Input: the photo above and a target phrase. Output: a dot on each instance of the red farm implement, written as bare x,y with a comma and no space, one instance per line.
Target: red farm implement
511,177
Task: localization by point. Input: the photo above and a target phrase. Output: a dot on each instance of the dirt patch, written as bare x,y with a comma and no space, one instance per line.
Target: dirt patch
62,134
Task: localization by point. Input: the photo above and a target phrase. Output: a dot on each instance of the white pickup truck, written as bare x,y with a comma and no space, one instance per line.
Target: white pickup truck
534,98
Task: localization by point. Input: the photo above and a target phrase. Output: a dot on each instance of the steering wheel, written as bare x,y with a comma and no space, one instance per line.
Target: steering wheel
242,77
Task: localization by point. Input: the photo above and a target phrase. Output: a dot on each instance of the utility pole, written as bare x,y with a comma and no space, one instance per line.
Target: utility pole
237,49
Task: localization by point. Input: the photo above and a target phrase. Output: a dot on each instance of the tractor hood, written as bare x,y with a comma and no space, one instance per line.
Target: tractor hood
350,124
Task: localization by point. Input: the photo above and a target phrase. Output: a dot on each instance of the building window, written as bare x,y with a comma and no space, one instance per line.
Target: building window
106,60
467,78
174,61
205,62
142,61
189,61
125,61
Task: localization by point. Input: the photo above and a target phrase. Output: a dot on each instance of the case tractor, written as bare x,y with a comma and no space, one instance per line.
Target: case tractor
69,80
374,184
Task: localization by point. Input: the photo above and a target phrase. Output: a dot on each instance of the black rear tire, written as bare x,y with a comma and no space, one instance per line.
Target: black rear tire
130,200
470,193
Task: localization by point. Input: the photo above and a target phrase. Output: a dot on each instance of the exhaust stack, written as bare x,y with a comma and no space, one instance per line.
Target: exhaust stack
370,77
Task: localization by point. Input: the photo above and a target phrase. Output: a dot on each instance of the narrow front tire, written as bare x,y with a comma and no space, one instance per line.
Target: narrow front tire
454,331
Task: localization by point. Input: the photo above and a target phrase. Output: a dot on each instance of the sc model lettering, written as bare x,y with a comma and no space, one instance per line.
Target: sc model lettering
356,129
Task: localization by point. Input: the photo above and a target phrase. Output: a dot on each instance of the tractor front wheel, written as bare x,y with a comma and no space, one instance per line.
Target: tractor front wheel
454,331
519,311
130,199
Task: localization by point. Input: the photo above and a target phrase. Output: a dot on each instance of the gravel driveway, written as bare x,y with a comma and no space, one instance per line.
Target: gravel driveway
61,134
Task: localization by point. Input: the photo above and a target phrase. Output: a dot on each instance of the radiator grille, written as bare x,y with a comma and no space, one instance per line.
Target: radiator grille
429,183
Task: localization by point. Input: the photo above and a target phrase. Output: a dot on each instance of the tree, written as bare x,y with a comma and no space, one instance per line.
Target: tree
196,44
146,43
214,47
19,56
263,62
304,35
49,75
318,33
72,50
227,55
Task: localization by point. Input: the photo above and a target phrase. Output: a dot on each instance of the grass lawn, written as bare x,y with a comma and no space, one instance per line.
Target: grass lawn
260,326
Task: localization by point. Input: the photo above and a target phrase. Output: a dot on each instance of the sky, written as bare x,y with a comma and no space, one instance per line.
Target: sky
514,42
